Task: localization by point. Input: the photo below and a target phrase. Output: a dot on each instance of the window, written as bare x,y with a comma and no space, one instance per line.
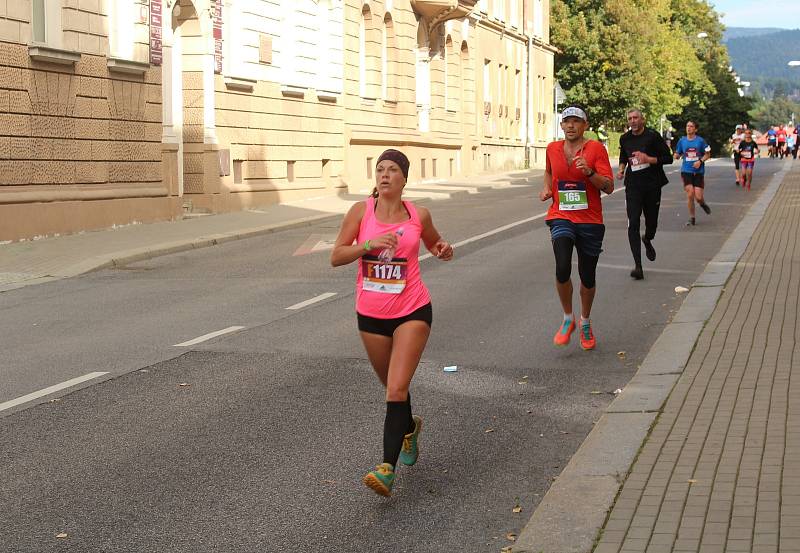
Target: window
467,96
324,49
390,66
122,30
513,14
369,53
538,19
46,22
234,44
487,84
452,76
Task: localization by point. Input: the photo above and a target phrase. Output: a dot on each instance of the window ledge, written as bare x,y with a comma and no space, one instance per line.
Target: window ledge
327,96
390,103
367,101
43,52
127,66
293,91
240,83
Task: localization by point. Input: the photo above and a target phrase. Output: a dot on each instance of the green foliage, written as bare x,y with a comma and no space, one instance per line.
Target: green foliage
617,54
613,142
776,112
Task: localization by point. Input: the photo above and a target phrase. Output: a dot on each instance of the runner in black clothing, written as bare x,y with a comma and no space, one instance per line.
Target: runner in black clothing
642,155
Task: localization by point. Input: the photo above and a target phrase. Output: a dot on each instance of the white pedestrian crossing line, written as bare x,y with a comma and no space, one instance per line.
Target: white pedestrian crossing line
50,390
209,336
313,300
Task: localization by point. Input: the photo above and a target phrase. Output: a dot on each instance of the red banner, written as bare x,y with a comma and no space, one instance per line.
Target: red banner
155,32
218,37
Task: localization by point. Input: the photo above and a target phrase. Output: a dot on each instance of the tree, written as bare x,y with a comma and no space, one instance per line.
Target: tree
779,111
719,108
618,54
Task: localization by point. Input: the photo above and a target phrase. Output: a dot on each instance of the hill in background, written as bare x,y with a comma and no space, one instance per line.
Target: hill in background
745,32
761,56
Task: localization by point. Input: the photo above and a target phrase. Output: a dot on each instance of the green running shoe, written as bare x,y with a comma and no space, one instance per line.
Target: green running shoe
410,450
381,479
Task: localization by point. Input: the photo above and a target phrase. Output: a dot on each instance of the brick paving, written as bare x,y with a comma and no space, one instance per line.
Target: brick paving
720,471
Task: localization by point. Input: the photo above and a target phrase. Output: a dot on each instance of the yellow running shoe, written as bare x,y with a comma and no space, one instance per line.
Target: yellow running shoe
381,479
410,451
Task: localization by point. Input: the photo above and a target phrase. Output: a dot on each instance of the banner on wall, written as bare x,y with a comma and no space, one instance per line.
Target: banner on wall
218,37
155,32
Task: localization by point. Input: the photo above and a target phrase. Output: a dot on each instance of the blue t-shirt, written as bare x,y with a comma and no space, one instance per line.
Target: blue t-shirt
772,135
692,150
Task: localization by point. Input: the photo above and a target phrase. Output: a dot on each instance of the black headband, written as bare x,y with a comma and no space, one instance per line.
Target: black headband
398,157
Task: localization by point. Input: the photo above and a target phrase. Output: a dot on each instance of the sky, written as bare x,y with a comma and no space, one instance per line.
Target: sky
784,14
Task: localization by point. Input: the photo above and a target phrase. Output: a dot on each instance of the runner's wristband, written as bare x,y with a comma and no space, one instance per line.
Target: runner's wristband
366,246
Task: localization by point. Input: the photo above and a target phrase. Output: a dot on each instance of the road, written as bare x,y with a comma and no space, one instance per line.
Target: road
256,440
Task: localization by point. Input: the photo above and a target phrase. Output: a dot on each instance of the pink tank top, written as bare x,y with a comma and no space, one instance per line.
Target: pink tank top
394,289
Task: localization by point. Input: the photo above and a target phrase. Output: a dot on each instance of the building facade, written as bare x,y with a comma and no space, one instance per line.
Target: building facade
121,111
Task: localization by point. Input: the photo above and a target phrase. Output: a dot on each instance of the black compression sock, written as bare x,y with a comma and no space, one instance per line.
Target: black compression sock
394,428
411,424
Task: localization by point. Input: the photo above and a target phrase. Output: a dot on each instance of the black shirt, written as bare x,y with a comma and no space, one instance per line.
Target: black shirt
652,144
750,148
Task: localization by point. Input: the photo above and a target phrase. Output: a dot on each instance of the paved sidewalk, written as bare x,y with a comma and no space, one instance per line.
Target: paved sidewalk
720,471
37,261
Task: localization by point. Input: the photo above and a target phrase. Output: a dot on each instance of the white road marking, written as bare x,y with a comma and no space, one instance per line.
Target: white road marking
208,336
306,303
50,390
502,229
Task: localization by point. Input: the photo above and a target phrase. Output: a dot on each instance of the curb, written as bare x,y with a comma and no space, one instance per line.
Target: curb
422,195
574,509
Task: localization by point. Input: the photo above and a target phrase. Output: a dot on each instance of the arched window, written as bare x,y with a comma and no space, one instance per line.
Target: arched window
390,65
452,76
369,53
466,75
362,50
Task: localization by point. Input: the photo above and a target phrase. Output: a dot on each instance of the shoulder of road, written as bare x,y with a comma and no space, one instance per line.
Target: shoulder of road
37,261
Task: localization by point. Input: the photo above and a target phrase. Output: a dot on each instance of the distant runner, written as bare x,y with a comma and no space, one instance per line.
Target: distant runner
772,142
736,139
782,141
748,150
695,151
642,156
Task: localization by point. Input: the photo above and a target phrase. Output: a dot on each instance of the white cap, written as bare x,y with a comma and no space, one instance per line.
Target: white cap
573,111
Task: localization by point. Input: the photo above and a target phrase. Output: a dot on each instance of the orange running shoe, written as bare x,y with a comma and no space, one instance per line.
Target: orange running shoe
587,337
562,337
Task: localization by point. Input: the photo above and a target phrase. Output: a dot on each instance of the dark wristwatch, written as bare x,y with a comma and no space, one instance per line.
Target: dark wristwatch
590,175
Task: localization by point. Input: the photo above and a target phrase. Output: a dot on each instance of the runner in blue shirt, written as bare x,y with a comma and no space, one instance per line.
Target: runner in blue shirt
772,142
695,151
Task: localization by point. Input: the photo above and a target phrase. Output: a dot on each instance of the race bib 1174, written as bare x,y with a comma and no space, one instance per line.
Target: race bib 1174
384,277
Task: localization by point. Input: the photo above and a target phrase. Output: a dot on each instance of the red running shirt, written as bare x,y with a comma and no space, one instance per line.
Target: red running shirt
574,197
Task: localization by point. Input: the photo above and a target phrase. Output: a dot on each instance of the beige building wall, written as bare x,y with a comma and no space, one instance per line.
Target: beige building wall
255,101
457,94
407,86
278,102
80,133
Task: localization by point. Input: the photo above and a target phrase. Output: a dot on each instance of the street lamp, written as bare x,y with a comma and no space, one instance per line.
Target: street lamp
702,34
793,63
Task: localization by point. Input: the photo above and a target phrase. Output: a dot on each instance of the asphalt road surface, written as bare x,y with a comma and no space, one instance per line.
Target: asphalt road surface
256,440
